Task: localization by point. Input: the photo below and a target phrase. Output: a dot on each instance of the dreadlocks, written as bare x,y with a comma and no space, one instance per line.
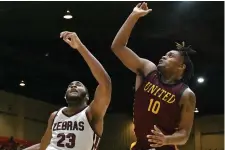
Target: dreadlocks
185,51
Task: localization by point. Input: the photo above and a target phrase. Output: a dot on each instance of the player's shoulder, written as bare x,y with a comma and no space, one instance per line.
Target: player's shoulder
188,95
52,116
148,67
189,92
54,113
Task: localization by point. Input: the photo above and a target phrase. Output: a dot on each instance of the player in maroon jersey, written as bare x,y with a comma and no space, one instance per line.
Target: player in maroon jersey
164,105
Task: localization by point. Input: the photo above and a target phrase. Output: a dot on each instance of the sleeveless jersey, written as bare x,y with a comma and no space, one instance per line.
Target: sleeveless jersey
72,133
157,104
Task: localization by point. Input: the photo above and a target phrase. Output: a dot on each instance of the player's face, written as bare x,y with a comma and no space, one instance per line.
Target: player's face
75,91
172,61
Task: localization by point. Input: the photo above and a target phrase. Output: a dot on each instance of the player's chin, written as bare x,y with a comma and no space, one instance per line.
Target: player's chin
74,97
160,66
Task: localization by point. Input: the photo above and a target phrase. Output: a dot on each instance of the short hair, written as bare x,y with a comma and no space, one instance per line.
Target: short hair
185,51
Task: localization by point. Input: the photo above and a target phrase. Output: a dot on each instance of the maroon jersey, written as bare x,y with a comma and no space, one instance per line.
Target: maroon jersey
157,104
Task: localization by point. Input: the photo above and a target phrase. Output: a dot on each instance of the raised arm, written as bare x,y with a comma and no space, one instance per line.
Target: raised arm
102,97
126,55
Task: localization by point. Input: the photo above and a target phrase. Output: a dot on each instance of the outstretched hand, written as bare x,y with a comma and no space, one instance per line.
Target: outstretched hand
141,9
158,139
71,38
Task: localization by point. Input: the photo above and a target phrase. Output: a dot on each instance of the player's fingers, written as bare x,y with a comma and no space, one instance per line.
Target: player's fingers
154,137
156,128
138,5
68,35
149,10
155,141
67,41
145,6
64,33
155,145
156,133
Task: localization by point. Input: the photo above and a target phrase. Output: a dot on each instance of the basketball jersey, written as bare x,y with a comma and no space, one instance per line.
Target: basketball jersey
157,104
72,133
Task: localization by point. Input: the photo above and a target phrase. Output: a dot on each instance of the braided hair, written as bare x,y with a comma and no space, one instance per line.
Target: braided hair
185,51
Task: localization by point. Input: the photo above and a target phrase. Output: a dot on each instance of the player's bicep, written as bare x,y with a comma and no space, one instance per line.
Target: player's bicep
187,111
132,61
48,133
101,101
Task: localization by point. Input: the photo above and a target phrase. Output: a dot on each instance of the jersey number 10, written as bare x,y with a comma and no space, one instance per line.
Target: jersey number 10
70,136
154,106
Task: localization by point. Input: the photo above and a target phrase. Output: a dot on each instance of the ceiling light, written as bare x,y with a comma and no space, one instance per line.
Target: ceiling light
67,15
200,80
196,110
22,83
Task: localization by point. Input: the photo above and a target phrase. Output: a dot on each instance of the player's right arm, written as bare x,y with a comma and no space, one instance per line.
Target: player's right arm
33,147
131,60
48,133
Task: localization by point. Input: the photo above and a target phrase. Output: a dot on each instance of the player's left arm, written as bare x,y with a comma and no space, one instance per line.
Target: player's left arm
181,136
102,97
33,147
99,105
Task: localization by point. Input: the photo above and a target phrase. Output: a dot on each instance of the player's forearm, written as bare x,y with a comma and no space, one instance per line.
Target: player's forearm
95,66
178,138
123,34
33,147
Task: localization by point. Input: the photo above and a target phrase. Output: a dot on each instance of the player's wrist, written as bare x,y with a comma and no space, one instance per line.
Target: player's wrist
135,15
167,140
80,46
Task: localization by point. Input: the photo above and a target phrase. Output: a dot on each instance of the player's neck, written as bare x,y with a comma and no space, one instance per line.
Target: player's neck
74,107
169,79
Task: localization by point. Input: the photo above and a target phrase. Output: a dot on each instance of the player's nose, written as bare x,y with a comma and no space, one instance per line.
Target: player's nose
164,57
73,87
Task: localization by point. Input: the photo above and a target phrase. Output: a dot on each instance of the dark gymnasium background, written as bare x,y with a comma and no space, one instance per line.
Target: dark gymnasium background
31,50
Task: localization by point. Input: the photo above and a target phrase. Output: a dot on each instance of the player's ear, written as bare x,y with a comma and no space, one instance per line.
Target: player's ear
87,97
183,67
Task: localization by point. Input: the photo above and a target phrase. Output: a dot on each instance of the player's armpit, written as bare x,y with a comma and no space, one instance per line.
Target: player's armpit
48,133
99,105
188,102
132,61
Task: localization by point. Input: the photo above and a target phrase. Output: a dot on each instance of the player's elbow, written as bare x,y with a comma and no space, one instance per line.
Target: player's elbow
108,88
108,83
184,140
116,46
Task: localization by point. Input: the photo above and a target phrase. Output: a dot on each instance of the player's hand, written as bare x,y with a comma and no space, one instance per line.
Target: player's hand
141,9
158,139
71,38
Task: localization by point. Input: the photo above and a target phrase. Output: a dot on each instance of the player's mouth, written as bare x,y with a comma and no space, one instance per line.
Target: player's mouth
73,91
160,61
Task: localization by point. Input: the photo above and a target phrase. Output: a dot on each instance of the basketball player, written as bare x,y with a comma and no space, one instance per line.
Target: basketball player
79,126
164,105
